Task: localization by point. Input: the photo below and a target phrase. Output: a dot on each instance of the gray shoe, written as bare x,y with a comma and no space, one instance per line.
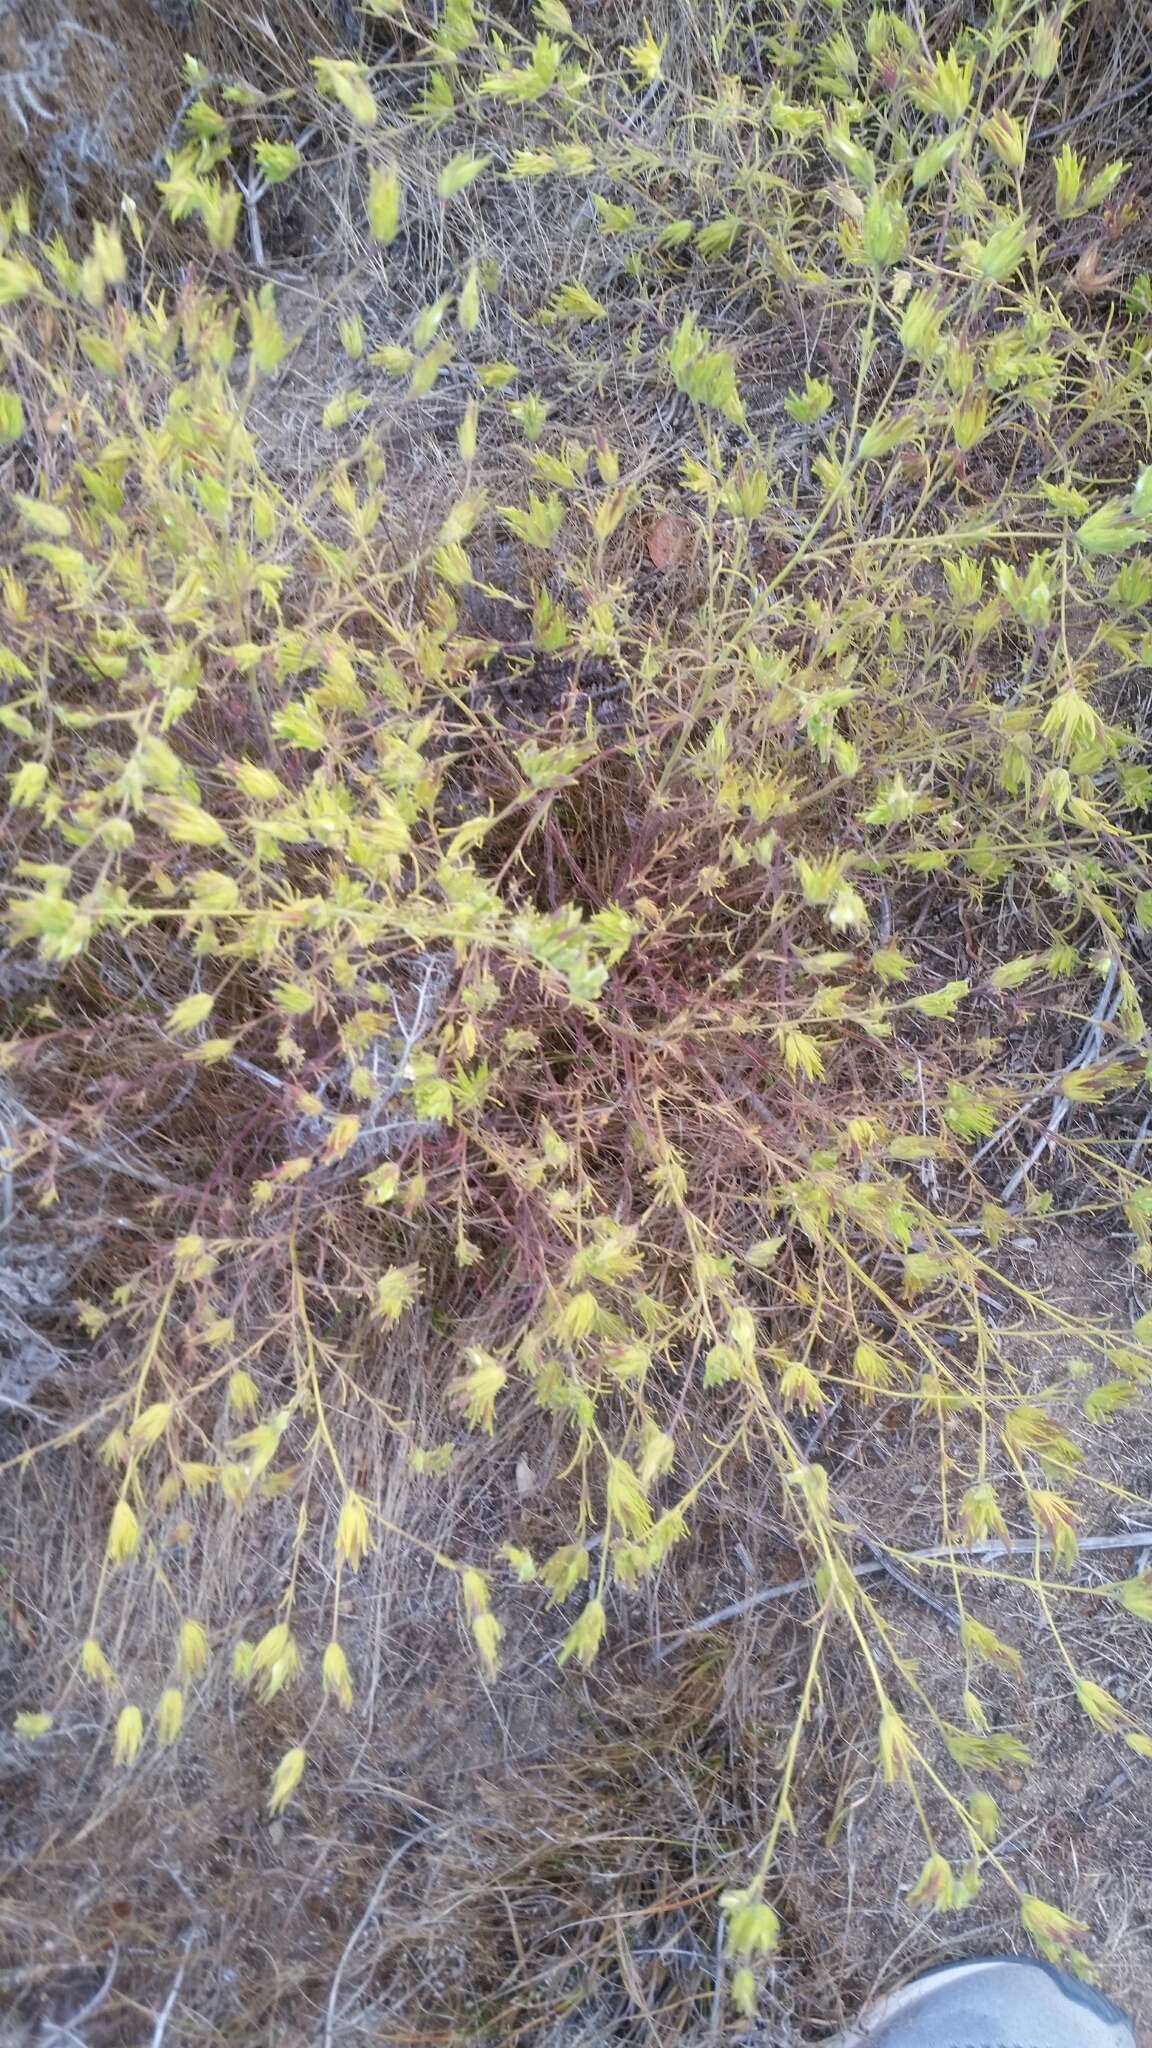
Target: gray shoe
991,2002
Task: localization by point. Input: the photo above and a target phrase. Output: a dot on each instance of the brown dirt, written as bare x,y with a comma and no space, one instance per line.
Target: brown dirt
90,93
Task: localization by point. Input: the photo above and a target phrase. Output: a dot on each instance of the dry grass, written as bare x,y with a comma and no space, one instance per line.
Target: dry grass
540,1854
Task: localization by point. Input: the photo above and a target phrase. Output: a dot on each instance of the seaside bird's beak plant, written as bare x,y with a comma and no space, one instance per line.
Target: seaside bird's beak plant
644,1020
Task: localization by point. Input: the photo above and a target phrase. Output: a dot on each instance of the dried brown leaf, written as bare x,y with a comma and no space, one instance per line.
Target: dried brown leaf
669,541
1088,277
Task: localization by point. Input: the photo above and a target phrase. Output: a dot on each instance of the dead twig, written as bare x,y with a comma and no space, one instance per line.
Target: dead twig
944,1608
1131,91
169,2005
1135,1147
868,1569
401,1849
64,2031
1087,1050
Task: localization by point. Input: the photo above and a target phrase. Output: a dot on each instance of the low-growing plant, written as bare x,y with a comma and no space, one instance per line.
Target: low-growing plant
655,1011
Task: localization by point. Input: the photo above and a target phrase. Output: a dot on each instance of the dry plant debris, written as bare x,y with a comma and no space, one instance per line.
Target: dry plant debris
578,891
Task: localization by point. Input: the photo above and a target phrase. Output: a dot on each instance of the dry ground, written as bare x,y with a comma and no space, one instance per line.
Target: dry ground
535,1854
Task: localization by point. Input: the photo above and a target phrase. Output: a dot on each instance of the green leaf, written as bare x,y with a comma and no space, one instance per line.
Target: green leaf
934,159
341,78
270,344
1136,1595
344,406
705,374
43,517
277,160
573,302
12,421
460,172
18,277
810,404
1000,257
540,524
942,1002
384,200
1111,529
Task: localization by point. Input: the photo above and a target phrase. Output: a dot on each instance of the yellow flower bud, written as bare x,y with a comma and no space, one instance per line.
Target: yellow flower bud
1102,1710
752,1928
1051,1929
985,1816
285,1779
123,1534
129,1735
466,431
1069,172
999,257
585,1635
150,1425
1006,138
236,1482
475,1392
353,1536
243,1394
578,1318
30,1726
743,1992
275,1660
336,1675
193,1649
885,231
28,784
474,1588
196,1475
191,1012
895,1747
935,1886
1044,50
980,1514
969,419
1111,529
657,1457
921,322
170,1714
256,782
94,1664
949,89
626,1500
